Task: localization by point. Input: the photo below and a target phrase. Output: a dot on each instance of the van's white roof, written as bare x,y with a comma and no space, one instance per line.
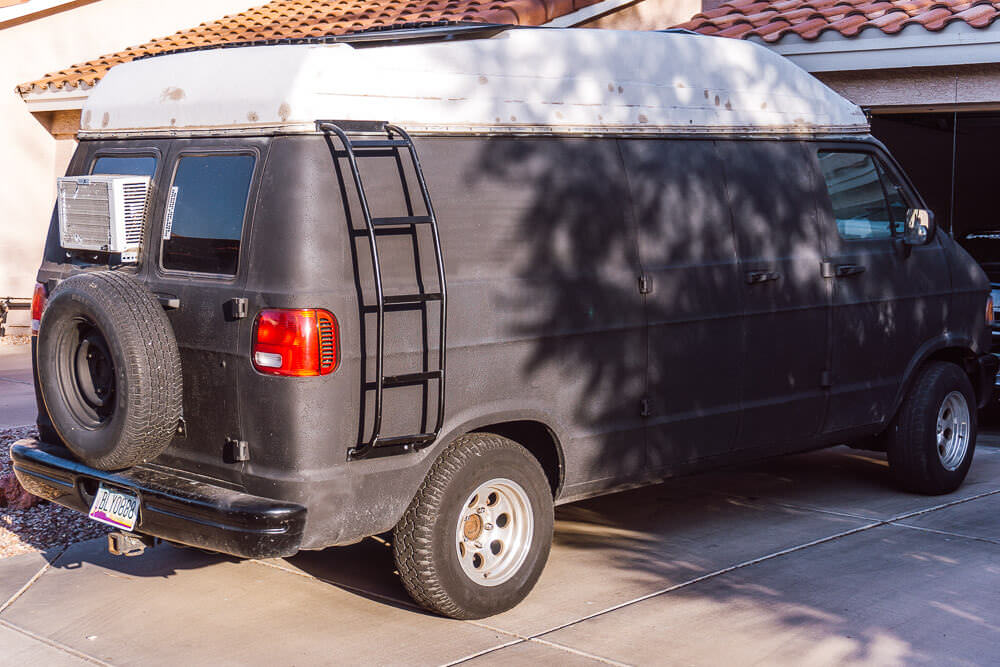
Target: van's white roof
520,80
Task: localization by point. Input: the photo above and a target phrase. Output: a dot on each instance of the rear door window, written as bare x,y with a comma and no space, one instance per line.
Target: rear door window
206,207
857,195
129,165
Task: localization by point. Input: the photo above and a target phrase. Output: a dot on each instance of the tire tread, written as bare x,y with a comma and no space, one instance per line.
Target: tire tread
413,541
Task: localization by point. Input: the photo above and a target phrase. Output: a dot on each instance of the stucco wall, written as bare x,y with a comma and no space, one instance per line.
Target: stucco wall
31,157
919,88
648,15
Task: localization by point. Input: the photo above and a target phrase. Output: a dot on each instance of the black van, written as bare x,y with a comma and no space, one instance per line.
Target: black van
514,268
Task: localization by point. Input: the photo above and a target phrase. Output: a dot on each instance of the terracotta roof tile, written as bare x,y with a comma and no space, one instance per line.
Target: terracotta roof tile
771,21
317,18
850,25
737,30
760,18
978,16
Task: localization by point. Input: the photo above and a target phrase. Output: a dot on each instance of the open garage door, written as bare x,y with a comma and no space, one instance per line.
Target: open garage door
953,159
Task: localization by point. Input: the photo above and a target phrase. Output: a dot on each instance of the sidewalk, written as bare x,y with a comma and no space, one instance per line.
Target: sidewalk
811,559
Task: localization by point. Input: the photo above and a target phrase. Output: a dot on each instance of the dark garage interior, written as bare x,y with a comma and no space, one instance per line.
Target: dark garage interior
952,159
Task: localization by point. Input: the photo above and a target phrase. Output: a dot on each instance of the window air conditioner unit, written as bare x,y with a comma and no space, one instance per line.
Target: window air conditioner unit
103,213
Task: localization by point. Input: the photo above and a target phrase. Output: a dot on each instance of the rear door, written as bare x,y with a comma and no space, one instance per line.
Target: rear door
887,301
772,196
693,301
197,265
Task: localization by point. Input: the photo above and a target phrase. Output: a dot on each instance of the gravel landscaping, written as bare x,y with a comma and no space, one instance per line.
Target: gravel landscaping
15,340
43,527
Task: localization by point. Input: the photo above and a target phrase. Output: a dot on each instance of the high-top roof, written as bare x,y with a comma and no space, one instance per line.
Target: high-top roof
518,80
281,19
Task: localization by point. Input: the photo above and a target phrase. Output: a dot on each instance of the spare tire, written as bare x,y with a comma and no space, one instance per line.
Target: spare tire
109,370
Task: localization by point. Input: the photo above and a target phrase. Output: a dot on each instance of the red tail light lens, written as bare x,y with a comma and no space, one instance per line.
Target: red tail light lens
295,342
38,299
989,310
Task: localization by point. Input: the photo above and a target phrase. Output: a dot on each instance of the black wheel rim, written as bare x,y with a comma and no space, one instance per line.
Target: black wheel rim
87,375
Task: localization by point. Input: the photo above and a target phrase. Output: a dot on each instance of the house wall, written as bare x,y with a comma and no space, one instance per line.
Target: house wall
919,88
32,157
648,15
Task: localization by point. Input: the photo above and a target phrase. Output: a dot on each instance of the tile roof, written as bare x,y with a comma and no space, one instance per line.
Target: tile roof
312,18
770,21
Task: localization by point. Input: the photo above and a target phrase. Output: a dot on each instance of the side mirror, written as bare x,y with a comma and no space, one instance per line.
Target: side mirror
919,226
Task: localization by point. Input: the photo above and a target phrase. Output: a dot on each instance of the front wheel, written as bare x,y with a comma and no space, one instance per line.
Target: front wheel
475,538
932,439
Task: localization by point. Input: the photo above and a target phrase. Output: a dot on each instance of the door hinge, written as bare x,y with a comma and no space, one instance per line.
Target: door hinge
237,308
644,407
827,269
826,379
236,451
645,284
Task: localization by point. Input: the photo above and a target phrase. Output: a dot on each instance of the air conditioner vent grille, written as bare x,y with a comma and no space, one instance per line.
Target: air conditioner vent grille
135,196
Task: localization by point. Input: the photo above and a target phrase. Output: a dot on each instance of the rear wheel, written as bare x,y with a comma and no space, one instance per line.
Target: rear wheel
931,442
476,537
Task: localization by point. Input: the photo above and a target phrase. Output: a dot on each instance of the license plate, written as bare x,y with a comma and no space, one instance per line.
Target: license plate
115,508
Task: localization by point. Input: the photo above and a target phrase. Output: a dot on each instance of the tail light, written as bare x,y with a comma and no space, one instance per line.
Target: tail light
299,342
38,299
989,310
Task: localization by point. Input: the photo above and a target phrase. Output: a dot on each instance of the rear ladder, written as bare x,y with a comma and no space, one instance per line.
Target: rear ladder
396,138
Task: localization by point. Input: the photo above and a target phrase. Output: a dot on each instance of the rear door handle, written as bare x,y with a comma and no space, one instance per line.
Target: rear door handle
831,270
168,301
754,277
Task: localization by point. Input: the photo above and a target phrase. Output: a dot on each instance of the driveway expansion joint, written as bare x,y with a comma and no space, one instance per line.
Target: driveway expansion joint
948,533
755,561
35,577
53,644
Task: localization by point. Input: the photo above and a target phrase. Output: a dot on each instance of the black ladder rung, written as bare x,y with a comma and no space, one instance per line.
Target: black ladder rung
415,439
402,220
379,143
397,299
410,378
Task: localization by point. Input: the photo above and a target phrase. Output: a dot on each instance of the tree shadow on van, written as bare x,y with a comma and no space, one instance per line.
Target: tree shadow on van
613,267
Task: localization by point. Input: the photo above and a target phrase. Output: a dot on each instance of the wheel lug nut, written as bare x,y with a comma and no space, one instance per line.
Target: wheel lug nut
480,510
489,526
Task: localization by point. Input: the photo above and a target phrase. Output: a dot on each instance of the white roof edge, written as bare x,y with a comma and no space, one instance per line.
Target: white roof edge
519,81
914,46
490,130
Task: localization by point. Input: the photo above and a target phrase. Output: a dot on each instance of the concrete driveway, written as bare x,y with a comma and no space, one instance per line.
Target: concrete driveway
17,394
810,559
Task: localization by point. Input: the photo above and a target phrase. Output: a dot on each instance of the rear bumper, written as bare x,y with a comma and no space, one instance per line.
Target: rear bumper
171,507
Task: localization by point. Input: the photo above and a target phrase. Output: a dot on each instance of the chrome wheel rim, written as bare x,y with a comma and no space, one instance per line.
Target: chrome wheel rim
493,532
953,425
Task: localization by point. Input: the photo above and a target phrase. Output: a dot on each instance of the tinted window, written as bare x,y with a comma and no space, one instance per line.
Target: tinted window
205,210
125,164
857,196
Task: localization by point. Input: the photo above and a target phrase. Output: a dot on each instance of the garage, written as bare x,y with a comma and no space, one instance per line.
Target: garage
952,158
